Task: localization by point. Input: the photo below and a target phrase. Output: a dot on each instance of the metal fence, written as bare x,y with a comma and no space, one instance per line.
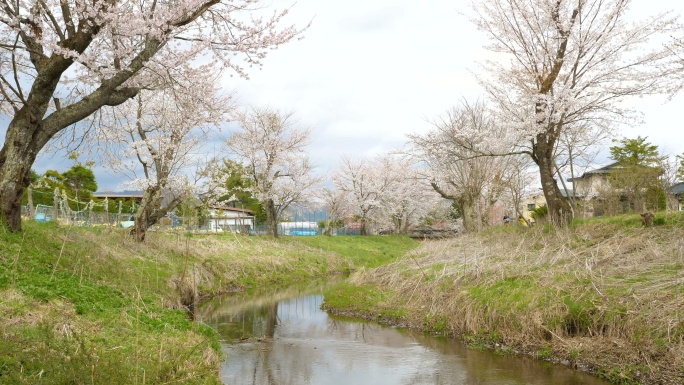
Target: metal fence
64,215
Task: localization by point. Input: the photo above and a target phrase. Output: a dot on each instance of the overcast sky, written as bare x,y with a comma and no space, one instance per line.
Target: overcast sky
369,72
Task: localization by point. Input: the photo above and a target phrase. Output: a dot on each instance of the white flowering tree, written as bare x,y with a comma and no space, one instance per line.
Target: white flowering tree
61,61
565,65
334,201
454,165
386,191
408,198
154,140
271,147
363,186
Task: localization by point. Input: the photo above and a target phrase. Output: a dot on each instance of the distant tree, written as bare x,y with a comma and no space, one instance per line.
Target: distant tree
335,203
455,167
408,199
364,184
43,187
80,184
34,176
271,146
636,177
238,190
519,179
680,167
668,180
80,181
384,190
635,152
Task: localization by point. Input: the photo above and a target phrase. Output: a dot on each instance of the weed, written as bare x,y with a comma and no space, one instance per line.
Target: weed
623,375
545,353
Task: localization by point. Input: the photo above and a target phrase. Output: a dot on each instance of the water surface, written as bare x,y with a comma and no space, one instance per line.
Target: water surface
286,339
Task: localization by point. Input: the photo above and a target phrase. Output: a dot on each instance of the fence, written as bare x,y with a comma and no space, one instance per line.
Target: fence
96,214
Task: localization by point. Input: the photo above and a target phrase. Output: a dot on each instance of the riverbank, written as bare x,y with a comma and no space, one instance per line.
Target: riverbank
605,296
89,305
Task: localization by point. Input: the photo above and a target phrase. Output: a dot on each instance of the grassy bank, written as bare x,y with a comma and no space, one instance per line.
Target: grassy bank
604,295
90,306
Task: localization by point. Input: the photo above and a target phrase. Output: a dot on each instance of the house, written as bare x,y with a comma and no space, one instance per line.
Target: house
678,192
530,202
227,218
618,189
594,182
536,199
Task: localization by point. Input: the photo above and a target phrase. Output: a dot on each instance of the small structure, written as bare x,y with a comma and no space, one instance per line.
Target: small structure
133,195
298,228
227,218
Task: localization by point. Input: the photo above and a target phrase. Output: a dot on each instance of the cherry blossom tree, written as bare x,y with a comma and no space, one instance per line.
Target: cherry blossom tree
271,147
335,203
565,65
64,60
408,198
456,168
154,139
363,185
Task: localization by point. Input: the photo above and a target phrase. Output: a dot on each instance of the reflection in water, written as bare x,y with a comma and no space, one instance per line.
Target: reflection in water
289,340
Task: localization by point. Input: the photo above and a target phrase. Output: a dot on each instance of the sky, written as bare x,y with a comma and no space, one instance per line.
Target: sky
367,73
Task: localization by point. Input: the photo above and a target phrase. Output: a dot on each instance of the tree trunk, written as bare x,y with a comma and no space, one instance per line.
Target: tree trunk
362,228
271,218
31,208
16,158
149,212
469,216
560,212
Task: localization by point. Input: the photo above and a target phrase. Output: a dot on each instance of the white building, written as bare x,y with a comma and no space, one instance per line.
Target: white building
225,218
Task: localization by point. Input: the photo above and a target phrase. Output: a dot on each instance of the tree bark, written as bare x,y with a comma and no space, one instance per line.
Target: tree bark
150,212
16,158
560,212
469,215
362,228
272,218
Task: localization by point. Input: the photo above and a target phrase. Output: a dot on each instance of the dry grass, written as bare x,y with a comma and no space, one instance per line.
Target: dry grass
602,296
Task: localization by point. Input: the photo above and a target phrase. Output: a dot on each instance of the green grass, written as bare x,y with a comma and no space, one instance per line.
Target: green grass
367,251
66,318
363,300
91,306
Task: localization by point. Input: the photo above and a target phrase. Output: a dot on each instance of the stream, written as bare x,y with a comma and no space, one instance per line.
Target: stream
284,338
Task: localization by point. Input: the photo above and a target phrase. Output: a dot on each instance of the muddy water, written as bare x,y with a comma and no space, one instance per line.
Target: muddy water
285,339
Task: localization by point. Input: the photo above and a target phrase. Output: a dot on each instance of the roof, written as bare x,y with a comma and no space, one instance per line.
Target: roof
229,208
603,170
167,195
678,188
118,194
